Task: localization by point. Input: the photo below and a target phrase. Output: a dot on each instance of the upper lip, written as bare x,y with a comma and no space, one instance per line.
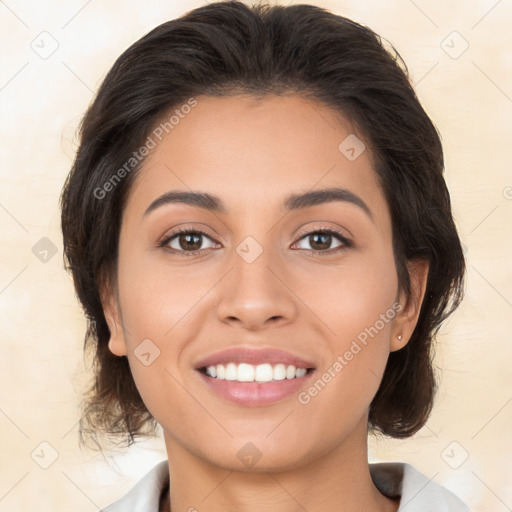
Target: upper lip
244,354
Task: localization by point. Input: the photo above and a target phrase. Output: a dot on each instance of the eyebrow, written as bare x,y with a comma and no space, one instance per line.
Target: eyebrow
292,202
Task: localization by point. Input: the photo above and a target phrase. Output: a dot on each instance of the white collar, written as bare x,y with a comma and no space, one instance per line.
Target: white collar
418,492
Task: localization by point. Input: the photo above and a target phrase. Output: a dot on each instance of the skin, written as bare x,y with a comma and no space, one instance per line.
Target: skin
252,153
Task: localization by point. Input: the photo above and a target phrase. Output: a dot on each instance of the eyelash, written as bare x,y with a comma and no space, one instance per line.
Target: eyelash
346,243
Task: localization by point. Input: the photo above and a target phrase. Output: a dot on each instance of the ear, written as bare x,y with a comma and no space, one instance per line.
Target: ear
111,310
407,317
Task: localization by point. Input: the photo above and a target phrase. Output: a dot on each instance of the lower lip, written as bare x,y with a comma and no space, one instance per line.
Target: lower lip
254,394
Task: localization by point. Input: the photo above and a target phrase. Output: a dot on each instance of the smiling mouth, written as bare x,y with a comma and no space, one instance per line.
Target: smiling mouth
261,373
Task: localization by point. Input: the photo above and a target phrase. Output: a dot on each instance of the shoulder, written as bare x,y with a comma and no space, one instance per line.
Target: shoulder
417,492
146,493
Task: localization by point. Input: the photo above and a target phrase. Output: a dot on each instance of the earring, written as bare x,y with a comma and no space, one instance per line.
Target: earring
399,337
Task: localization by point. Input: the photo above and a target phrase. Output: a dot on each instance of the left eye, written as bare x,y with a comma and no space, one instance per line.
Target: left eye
324,237
189,241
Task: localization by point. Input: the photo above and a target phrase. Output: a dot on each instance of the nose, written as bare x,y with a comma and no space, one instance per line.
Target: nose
256,295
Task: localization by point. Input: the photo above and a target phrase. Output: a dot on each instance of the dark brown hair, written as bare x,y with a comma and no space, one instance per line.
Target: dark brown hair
228,48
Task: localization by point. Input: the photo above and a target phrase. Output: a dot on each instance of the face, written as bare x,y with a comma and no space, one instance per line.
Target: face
279,284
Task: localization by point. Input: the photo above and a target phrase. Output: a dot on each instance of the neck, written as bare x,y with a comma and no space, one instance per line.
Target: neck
338,479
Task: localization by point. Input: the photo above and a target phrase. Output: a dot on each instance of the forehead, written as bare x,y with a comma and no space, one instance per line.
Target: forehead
252,153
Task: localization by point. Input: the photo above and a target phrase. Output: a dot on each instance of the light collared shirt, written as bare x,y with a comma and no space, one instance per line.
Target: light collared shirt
417,492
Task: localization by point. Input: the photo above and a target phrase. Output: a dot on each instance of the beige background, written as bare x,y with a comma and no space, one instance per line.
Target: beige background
42,98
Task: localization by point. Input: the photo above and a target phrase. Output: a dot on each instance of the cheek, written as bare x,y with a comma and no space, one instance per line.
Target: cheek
159,320
163,309
356,305
351,296
158,299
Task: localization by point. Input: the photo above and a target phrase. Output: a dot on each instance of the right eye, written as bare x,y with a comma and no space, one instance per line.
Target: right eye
183,240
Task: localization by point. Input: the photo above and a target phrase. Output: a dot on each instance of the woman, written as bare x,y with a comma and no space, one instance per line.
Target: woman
259,231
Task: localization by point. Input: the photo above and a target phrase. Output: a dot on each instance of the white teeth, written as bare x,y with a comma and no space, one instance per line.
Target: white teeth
244,372
230,372
279,372
264,373
300,372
